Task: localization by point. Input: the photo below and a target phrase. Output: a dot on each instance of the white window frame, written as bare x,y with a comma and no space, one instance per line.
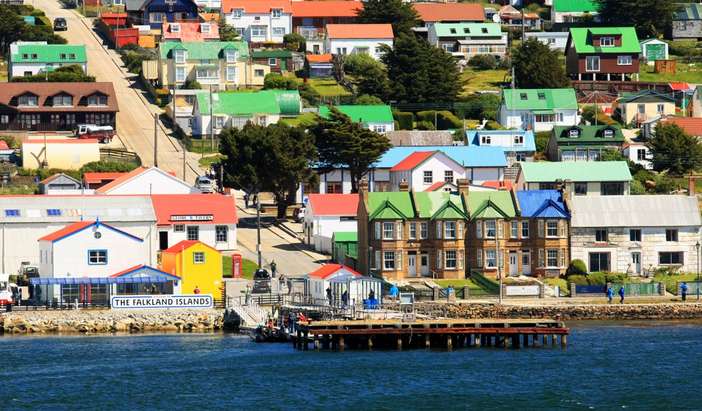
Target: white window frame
450,256
278,31
231,56
198,257
179,56
423,231
258,29
550,257
180,74
276,13
388,227
449,230
590,65
175,27
231,74
609,43
514,229
412,231
551,225
625,60
490,258
490,225
237,13
428,177
448,176
388,261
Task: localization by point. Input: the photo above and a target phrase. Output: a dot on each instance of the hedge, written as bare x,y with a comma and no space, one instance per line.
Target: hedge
405,120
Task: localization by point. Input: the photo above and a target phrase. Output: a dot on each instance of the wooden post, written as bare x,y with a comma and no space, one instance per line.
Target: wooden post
515,341
553,340
370,343
544,340
564,341
307,340
399,342
427,341
449,342
341,343
526,340
478,340
316,343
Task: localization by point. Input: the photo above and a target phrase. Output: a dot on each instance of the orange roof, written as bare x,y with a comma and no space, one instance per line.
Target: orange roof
359,31
334,204
327,270
319,58
412,161
500,185
194,208
190,31
256,6
3,145
121,179
66,231
679,86
94,178
322,8
184,245
690,125
430,12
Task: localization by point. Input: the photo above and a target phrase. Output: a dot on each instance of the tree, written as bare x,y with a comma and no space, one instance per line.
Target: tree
11,25
420,72
369,75
367,100
227,32
191,84
401,15
294,42
341,143
612,154
278,81
651,18
66,74
674,150
600,118
537,66
273,159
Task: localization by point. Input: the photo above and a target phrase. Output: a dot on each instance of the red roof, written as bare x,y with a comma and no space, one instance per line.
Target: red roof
326,270
256,6
430,12
121,179
501,185
194,208
334,204
359,31
437,185
3,145
190,31
184,245
679,86
67,230
690,125
319,58
412,161
322,8
94,178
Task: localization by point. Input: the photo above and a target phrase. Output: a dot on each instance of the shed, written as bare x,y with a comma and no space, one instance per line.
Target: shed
59,182
653,50
345,245
339,278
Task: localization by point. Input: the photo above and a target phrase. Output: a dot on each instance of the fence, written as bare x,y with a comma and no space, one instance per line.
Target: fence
631,289
120,156
692,287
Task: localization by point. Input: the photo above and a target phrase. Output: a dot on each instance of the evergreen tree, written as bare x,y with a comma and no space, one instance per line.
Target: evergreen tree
651,18
401,15
537,66
674,150
420,72
342,143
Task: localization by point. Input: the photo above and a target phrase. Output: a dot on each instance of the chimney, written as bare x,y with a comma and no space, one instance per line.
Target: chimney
691,184
404,186
463,185
363,188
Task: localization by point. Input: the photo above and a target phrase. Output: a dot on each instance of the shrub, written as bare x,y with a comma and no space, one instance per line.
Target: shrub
294,42
278,81
483,62
356,64
308,94
478,107
191,85
578,279
369,100
405,120
576,267
11,141
541,139
493,125
107,167
600,278
447,120
425,125
426,115
683,48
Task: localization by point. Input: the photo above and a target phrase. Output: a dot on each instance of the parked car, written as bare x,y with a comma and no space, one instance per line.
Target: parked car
204,184
5,290
60,24
103,134
262,281
299,214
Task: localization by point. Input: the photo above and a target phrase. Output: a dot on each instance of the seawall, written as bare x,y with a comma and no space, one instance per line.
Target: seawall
107,321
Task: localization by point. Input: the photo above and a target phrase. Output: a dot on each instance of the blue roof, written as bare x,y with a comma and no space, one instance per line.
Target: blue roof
473,137
468,156
542,203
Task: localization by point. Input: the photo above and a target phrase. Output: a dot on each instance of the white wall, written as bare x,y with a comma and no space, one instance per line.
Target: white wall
553,41
18,69
153,181
247,20
479,175
352,46
381,128
631,153
324,228
524,119
437,164
206,235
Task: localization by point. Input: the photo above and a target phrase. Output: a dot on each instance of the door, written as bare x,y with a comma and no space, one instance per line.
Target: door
412,264
162,240
513,263
655,52
526,262
424,264
636,262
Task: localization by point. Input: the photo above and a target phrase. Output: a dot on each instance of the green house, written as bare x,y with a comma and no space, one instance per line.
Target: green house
373,117
578,178
583,143
32,58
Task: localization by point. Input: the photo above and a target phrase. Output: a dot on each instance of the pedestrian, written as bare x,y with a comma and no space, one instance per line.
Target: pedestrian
196,290
246,200
610,294
371,295
345,298
683,291
621,295
329,295
449,291
274,266
394,292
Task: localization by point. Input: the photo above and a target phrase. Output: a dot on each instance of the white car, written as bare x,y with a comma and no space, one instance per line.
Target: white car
204,184
5,290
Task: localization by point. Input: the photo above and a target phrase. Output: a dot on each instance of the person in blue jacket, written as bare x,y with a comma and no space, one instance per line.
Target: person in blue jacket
621,295
394,292
610,295
683,291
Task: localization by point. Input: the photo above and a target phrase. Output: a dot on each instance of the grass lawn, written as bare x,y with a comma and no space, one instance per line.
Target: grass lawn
247,267
458,284
671,281
482,80
327,87
206,162
690,73
304,119
204,145
560,282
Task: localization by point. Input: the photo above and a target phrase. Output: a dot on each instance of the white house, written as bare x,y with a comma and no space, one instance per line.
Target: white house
572,11
635,234
653,49
28,58
555,40
338,278
518,145
581,178
259,21
210,218
358,39
639,153
538,109
145,181
326,214
422,170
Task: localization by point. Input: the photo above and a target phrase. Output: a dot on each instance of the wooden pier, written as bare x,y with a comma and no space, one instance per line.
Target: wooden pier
444,334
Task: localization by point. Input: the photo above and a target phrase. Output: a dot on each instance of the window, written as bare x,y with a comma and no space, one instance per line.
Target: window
612,189
28,100
485,140
198,257
666,257
207,73
423,231
221,233
641,154
490,259
193,233
428,178
231,56
514,229
448,176
573,133
541,96
490,229
452,30
205,28
592,63
237,13
552,228
526,258
449,230
580,189
97,100
4,119
660,108
272,61
156,17
258,31
635,234
671,235
388,260
525,229
518,140
259,73
53,212
624,60
175,28
179,228
379,128
12,212
388,230
219,122
599,262
413,231
450,260
279,31
276,13
333,188
523,96
606,41
601,235
231,74
552,258
62,100
62,56
97,257
608,133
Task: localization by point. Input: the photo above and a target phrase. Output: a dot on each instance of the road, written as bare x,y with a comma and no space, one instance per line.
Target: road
135,120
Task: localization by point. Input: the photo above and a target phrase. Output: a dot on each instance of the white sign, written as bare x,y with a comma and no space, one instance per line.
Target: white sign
200,217
121,302
521,290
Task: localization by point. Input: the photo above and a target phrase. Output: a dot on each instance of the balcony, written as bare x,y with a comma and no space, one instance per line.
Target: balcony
311,33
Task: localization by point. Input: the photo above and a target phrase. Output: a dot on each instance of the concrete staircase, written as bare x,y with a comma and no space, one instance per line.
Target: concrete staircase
251,314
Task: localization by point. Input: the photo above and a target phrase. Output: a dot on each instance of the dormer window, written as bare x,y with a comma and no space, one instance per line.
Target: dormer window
34,56
542,96
453,31
25,56
523,96
607,41
62,56
205,27
276,13
71,56
519,140
573,133
62,100
231,56
28,100
175,28
484,30
608,133
237,13
179,56
486,140
97,100
466,30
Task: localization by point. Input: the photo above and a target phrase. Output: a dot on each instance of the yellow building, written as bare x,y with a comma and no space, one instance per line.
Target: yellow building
197,264
641,107
67,154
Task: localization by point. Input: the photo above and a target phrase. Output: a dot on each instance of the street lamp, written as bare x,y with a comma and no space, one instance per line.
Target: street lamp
697,246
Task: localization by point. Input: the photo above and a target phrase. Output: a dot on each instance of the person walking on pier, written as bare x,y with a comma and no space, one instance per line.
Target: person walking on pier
610,295
329,295
345,299
621,295
683,291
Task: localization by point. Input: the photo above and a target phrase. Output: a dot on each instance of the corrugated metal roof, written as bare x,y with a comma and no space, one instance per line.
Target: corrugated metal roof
548,172
540,99
72,208
468,156
635,211
542,203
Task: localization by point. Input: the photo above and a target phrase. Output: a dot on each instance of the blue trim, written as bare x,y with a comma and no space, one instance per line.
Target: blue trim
106,257
99,224
149,270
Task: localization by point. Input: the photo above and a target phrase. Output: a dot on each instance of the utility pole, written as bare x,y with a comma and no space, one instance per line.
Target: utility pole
497,257
155,140
211,125
258,229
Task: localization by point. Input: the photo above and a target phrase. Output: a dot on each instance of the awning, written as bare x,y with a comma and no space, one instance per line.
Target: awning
544,112
99,280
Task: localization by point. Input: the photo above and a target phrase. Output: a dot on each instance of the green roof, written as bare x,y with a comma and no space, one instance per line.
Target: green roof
581,38
591,135
547,172
345,236
689,11
281,53
362,113
49,53
575,6
286,102
439,205
203,50
468,29
491,204
540,99
390,206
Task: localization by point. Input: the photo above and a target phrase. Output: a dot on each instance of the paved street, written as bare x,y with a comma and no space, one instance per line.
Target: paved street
135,120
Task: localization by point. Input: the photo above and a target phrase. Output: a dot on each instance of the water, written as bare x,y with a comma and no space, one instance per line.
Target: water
633,366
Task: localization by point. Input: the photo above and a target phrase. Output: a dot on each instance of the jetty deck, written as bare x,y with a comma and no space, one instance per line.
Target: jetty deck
441,333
